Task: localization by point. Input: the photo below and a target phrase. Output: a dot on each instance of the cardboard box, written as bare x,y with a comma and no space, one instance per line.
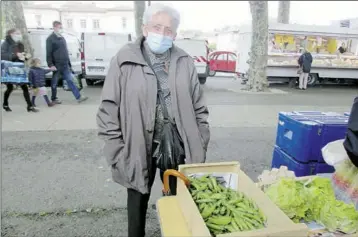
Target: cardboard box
278,224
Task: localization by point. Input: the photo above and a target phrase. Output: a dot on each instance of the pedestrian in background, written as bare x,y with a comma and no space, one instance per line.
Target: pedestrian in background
37,78
13,50
58,60
151,86
305,64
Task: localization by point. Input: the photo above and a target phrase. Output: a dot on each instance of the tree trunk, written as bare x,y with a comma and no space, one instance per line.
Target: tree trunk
257,80
2,31
13,14
283,12
139,7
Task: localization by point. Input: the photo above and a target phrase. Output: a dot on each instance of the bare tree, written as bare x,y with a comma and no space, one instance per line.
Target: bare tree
283,12
2,31
139,7
257,80
13,14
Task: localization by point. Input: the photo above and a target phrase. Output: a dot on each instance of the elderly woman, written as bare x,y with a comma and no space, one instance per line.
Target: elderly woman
148,81
13,50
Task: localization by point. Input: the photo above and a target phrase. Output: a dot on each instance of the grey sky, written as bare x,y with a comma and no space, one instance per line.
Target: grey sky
214,14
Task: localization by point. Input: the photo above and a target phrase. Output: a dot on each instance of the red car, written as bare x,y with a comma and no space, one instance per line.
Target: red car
222,61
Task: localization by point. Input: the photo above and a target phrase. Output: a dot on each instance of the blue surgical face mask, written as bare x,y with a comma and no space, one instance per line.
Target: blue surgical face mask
159,44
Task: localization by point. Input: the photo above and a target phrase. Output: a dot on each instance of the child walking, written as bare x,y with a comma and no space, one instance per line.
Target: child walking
37,77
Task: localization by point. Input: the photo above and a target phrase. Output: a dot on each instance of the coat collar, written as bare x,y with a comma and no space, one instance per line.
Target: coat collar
132,53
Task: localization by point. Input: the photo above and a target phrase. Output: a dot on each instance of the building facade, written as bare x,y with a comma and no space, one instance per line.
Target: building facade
80,17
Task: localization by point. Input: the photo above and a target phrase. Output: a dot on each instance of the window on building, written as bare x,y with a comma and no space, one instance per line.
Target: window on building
69,23
124,22
38,20
95,24
83,24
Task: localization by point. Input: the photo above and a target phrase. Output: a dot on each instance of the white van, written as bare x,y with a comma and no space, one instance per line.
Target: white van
98,50
199,51
38,42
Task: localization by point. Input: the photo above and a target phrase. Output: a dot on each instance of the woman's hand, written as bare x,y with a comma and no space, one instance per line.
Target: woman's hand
21,56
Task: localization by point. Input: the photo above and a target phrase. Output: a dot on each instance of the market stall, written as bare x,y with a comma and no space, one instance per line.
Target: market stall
334,51
220,200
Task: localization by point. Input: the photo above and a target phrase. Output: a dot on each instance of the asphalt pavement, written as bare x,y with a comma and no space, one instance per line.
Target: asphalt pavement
55,181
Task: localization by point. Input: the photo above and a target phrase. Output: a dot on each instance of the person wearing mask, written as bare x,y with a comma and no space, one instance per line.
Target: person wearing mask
58,60
305,64
151,83
13,50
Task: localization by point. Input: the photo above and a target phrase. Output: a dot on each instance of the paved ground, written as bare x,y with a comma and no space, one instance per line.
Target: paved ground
56,183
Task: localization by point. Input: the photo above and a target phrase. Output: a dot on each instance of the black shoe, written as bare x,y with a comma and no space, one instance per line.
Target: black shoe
32,109
6,108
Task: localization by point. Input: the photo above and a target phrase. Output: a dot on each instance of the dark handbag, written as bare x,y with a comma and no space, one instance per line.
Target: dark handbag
171,151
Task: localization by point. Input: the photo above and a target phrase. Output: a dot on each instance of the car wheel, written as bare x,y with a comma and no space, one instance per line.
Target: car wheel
202,80
312,79
89,82
212,73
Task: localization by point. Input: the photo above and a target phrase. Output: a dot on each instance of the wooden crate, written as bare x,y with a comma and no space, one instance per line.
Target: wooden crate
278,224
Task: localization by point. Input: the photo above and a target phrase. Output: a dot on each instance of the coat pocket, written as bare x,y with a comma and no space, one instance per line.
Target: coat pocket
121,169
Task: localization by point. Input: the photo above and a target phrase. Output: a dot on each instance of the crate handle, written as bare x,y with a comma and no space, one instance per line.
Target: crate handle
288,134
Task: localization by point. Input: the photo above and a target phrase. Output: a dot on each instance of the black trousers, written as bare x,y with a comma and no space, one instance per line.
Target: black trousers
10,88
137,204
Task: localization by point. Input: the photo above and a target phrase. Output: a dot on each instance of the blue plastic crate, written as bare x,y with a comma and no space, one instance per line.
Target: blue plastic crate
315,113
280,158
323,168
331,130
303,136
13,72
295,135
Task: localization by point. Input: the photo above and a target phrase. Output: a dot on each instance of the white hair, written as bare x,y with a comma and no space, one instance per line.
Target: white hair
157,8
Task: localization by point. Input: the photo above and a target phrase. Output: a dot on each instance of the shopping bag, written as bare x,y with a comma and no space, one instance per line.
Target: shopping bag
13,72
334,153
299,70
345,182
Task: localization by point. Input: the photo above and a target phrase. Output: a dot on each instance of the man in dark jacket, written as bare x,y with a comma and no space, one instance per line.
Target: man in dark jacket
58,60
305,63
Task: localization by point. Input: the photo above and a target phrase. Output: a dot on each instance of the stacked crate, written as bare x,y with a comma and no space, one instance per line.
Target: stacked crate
300,137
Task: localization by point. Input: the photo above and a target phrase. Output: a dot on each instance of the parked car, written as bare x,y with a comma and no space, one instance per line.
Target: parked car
222,61
199,51
97,52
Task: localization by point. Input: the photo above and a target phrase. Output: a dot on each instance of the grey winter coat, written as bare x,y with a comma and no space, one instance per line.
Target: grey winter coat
126,114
